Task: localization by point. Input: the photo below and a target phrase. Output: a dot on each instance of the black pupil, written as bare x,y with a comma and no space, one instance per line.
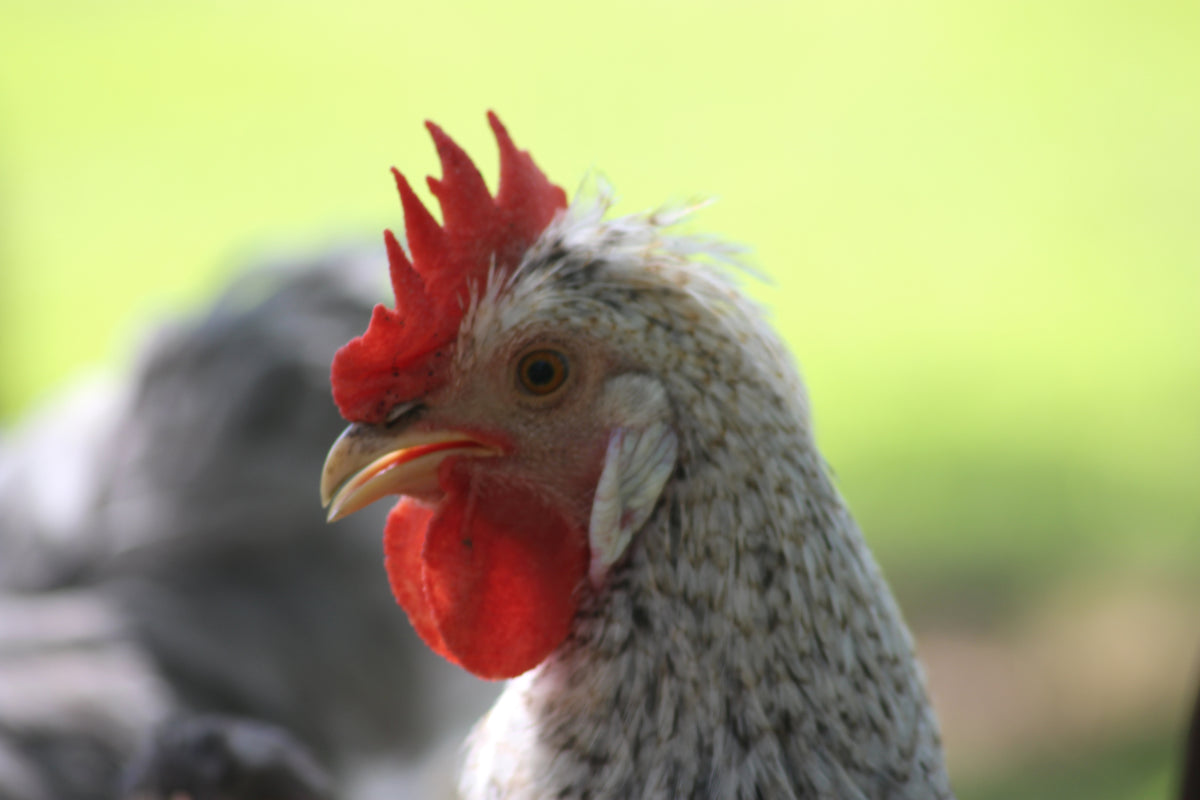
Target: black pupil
540,372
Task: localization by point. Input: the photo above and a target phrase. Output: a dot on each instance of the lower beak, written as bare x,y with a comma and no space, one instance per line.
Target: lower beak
368,462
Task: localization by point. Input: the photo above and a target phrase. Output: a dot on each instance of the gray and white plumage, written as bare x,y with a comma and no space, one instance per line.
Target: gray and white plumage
641,528
745,645
161,553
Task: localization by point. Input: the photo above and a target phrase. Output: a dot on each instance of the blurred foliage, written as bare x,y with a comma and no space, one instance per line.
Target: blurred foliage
980,220
1138,767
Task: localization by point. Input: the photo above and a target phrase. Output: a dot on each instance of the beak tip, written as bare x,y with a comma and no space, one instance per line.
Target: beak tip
365,464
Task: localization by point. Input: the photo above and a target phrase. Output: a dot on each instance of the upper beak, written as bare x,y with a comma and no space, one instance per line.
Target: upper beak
368,462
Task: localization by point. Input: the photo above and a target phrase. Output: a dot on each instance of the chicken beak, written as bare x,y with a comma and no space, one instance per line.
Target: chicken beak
368,462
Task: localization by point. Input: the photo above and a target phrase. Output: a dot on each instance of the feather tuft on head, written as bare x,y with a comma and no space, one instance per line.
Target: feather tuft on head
404,351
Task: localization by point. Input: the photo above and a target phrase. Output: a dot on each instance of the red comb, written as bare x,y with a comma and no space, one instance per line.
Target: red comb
402,353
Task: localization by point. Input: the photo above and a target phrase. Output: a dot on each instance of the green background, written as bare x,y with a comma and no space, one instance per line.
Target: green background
980,223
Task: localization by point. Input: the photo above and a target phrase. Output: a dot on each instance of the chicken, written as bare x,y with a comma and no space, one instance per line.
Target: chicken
223,758
161,553
610,494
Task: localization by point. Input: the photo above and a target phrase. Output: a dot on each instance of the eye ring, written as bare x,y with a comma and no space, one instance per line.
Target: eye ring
541,372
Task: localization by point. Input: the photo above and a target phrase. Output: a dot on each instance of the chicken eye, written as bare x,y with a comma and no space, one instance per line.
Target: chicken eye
542,371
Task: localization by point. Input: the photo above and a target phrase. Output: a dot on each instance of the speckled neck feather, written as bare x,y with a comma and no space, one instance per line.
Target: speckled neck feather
746,646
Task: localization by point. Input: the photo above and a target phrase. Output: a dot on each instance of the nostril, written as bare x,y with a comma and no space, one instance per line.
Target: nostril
404,412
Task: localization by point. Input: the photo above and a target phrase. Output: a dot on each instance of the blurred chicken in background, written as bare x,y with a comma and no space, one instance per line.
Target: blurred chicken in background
162,552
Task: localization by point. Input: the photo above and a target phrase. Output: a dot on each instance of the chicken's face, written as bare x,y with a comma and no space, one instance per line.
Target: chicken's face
527,450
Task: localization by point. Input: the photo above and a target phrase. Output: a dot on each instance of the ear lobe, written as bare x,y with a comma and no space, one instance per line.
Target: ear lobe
637,464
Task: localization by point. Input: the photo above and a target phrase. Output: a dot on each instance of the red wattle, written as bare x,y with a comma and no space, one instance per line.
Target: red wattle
403,541
490,578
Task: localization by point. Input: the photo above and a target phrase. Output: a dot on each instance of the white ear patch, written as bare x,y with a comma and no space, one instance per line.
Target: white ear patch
636,467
